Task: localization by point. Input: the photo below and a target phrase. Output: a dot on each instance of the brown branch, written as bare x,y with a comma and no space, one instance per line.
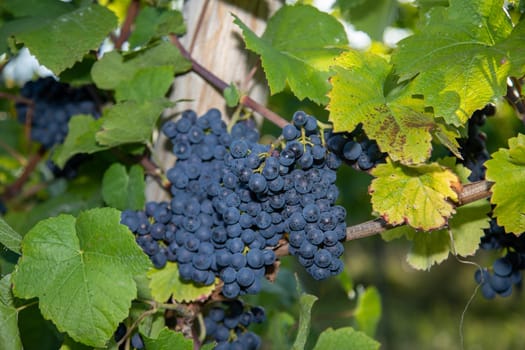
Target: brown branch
125,30
15,188
16,98
470,193
199,25
13,153
153,170
221,85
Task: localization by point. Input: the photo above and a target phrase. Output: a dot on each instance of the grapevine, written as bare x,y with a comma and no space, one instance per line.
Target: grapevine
135,214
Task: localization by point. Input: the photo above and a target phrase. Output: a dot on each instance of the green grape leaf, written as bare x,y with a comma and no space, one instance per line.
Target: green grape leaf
81,269
461,238
432,248
113,70
165,282
467,227
110,71
507,170
152,325
129,122
6,296
345,338
154,22
306,302
65,40
368,311
9,333
231,95
515,50
80,139
370,17
147,84
9,237
455,56
428,248
281,325
168,340
38,8
291,54
416,195
123,190
70,344
395,119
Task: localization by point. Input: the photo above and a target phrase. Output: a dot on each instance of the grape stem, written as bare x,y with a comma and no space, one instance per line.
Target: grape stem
219,84
470,193
16,98
15,188
125,30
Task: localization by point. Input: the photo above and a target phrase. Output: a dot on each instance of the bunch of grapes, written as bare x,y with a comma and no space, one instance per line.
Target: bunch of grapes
473,147
227,323
234,200
54,103
355,149
506,270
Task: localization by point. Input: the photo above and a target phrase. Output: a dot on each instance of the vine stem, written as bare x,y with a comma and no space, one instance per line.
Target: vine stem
125,31
153,170
470,193
135,324
16,98
15,188
219,84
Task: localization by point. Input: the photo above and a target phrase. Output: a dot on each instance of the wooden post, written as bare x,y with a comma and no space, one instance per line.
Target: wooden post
216,43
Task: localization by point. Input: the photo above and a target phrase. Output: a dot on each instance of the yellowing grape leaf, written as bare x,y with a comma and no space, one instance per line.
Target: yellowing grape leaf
165,282
507,170
462,236
395,119
455,56
416,195
297,48
81,270
513,46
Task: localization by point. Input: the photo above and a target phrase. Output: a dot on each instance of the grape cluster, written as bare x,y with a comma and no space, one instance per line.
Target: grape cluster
506,270
227,324
355,148
235,199
473,148
54,103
